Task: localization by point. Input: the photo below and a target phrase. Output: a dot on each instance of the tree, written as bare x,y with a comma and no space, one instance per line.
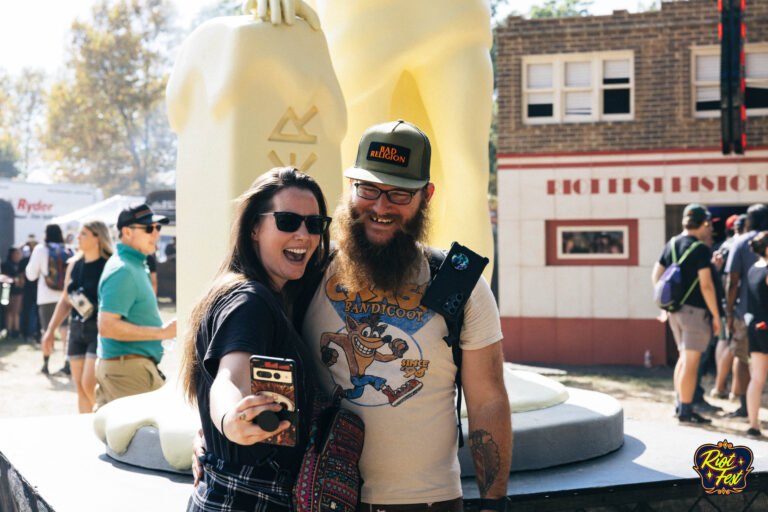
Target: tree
560,9
106,122
8,158
8,153
218,8
28,115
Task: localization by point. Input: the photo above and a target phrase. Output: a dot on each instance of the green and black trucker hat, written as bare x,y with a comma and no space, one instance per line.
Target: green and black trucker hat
395,154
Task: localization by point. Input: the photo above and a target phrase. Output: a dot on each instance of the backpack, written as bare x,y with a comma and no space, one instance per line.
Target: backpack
329,477
668,291
57,266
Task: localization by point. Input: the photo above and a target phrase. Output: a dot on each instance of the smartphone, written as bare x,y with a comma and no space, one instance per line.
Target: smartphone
276,377
454,281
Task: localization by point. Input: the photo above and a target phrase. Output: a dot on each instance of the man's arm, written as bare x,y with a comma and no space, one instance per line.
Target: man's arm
731,293
658,270
33,271
490,424
111,325
708,292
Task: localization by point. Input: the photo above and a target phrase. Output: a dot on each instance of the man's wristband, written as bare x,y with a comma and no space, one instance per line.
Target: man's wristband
499,504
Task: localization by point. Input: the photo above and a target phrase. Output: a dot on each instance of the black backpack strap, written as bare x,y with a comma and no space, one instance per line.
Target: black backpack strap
436,258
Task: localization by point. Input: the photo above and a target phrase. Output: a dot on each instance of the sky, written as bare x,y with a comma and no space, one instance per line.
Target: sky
34,33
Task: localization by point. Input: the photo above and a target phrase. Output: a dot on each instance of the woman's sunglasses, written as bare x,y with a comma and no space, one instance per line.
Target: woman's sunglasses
290,222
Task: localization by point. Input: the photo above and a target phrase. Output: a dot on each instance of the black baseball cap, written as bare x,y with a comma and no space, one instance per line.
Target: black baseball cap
697,212
395,154
139,214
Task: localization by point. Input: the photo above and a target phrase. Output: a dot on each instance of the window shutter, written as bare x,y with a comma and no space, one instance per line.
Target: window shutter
707,68
578,74
578,104
756,65
539,76
616,72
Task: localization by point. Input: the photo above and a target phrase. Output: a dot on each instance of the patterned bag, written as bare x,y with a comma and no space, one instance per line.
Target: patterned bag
329,477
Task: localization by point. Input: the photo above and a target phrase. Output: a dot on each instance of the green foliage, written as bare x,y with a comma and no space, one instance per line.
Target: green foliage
560,9
28,115
8,153
8,158
218,8
106,122
653,5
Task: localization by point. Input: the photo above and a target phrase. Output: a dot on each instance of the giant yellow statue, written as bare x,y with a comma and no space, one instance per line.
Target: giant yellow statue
251,92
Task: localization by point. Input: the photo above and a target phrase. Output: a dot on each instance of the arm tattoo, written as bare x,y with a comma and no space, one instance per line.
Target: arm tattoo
485,455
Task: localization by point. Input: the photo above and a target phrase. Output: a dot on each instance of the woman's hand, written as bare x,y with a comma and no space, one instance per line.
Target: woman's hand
238,426
198,450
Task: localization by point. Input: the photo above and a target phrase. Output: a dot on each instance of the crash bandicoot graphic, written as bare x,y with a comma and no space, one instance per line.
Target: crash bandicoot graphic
361,345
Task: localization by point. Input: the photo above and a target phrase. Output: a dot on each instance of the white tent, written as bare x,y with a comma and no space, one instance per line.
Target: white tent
105,211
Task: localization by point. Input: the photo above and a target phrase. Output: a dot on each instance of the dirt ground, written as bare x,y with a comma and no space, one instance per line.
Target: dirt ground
645,394
24,391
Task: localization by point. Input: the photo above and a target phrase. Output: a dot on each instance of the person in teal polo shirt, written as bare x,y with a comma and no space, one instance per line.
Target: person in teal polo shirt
130,328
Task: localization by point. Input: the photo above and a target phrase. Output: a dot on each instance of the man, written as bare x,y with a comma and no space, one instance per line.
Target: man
734,226
385,353
130,328
690,324
47,297
740,258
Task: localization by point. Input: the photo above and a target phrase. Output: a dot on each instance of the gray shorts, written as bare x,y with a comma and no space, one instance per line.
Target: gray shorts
739,344
691,327
45,312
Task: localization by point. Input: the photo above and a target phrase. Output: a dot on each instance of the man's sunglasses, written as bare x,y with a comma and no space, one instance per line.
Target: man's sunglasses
148,228
290,222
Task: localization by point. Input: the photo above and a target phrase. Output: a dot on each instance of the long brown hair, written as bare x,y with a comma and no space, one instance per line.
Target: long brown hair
242,263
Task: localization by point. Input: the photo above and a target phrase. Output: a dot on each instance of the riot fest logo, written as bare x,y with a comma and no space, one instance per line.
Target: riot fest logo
723,467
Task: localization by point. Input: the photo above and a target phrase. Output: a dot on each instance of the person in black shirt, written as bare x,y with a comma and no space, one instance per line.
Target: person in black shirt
80,283
12,268
690,324
280,230
757,330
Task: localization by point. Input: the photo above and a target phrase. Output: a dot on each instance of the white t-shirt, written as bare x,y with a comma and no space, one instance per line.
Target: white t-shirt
37,268
388,356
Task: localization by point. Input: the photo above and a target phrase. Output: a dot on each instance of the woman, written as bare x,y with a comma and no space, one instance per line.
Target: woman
81,283
280,230
757,330
11,267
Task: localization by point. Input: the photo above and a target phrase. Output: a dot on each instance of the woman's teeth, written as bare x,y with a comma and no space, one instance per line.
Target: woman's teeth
295,254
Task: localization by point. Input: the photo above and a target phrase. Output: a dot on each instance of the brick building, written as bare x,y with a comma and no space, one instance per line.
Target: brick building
608,126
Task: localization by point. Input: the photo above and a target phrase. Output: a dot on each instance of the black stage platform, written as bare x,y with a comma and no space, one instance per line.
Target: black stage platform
63,467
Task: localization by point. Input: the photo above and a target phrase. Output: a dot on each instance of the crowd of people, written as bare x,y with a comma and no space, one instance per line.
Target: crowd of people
101,299
722,313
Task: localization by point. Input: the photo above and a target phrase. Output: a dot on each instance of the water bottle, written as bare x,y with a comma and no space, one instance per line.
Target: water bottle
5,296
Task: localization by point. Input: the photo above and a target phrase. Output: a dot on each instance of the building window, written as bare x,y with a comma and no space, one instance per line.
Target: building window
578,87
706,80
592,242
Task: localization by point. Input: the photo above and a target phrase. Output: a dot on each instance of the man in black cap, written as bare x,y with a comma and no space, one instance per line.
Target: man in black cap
690,324
130,328
385,352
